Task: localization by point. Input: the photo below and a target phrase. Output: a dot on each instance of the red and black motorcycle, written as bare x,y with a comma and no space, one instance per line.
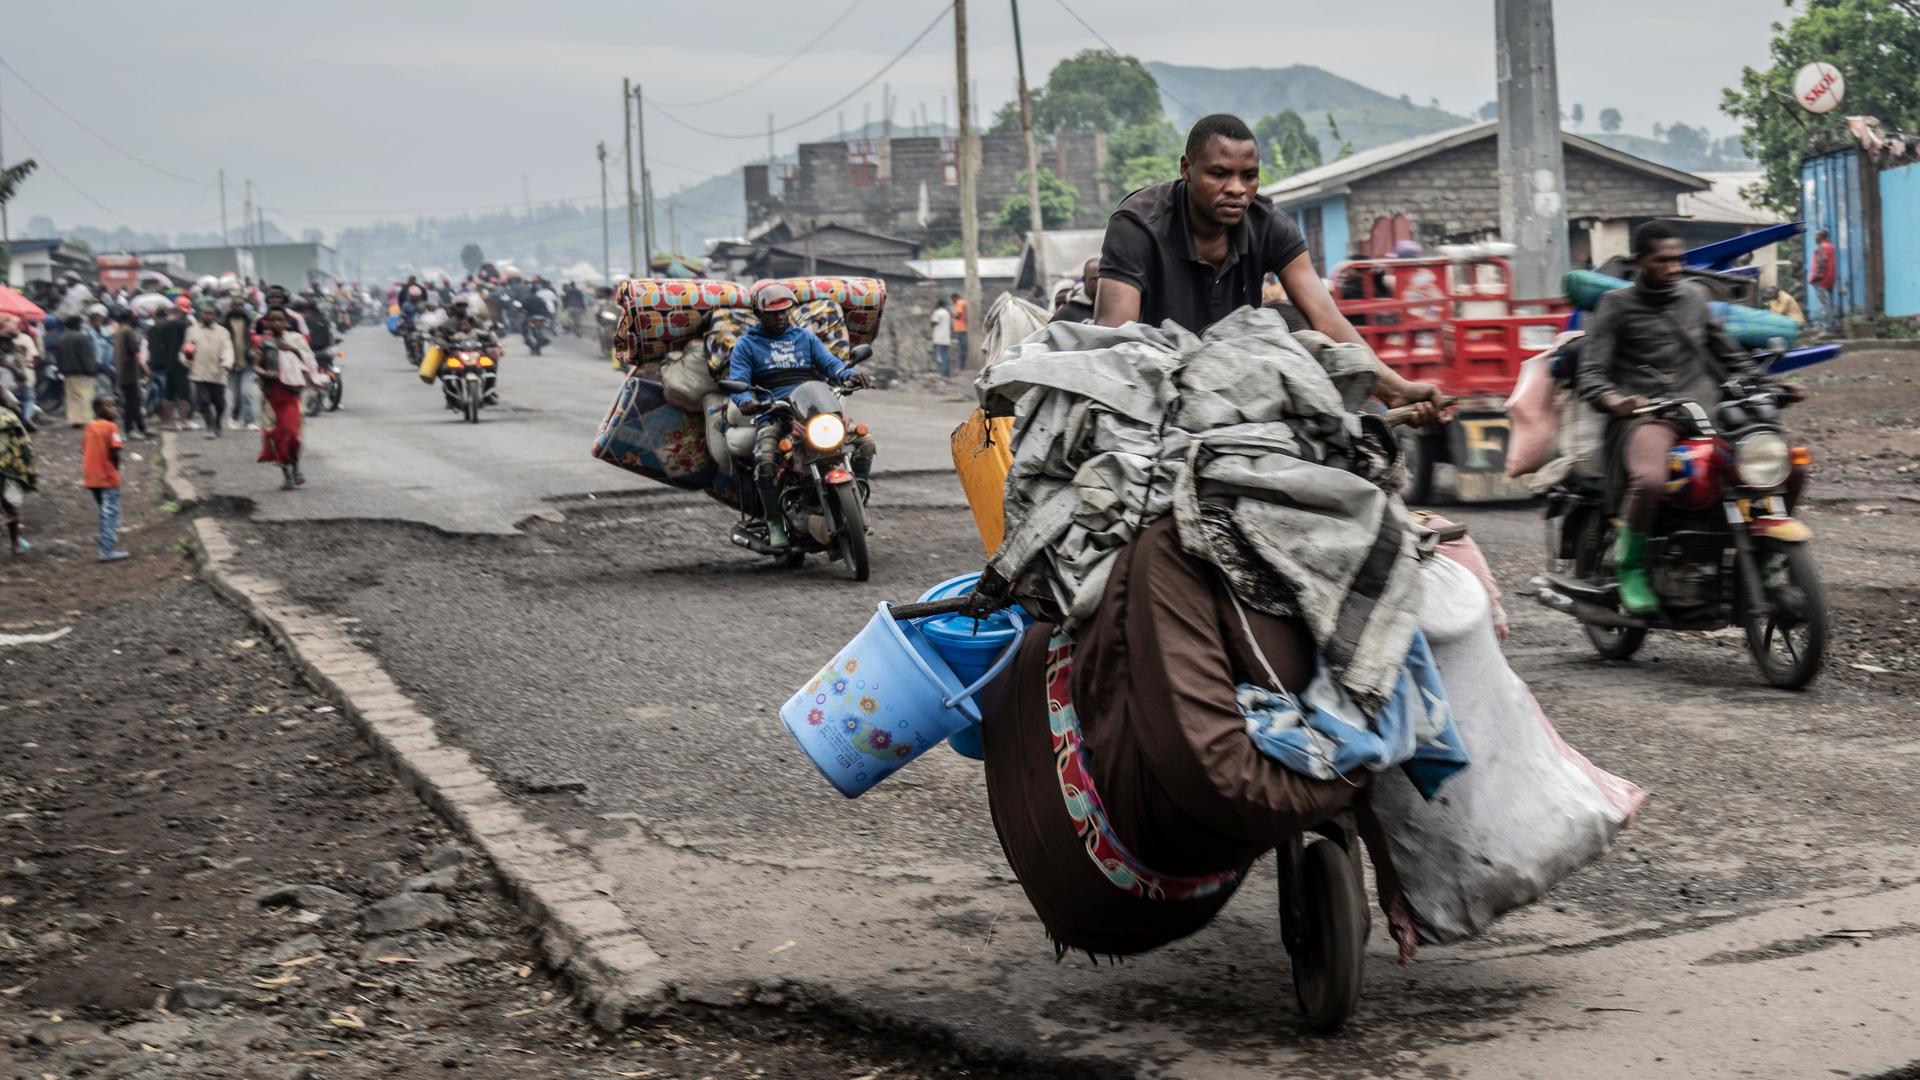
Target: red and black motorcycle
1724,549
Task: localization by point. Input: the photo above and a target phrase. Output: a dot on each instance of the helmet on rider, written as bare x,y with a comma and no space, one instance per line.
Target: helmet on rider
774,302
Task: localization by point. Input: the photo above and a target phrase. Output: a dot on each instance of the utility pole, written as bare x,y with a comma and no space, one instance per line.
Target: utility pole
1533,182
769,139
606,238
632,223
673,229
6,230
246,230
1034,221
224,237
526,196
646,177
969,213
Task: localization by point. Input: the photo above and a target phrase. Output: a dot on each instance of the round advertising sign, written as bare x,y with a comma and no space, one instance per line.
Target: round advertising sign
1819,86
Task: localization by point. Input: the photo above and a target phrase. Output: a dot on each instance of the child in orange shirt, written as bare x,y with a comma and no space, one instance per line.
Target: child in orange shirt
100,473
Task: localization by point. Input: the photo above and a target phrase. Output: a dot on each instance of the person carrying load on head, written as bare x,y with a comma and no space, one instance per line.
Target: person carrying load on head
775,356
1195,249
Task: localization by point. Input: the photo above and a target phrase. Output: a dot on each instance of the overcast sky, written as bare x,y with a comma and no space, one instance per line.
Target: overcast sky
352,110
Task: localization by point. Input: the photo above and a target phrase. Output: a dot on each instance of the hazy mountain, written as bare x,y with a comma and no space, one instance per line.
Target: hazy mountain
1367,117
1722,155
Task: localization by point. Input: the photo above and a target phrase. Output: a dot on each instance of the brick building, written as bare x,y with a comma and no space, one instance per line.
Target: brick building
1444,188
910,187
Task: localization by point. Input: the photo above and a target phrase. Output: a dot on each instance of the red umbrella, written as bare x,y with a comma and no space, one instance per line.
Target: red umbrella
12,303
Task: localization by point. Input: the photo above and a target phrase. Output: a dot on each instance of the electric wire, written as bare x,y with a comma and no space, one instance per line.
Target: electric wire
1110,48
41,158
116,147
776,69
849,96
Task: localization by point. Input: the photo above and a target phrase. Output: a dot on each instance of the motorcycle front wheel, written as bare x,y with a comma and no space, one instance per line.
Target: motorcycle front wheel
1788,637
334,390
316,401
850,521
470,401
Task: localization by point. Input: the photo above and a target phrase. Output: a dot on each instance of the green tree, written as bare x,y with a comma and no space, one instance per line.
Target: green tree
1059,202
471,257
1688,141
1286,144
1490,111
1143,154
1872,42
11,177
1095,90
1609,120
1579,114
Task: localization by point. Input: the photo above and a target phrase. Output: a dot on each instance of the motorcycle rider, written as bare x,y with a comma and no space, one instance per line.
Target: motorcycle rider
776,356
1655,339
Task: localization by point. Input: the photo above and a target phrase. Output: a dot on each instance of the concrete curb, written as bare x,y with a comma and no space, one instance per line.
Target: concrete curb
583,933
179,488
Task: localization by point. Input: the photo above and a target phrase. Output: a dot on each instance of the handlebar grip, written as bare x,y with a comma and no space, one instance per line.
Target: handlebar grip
1403,413
952,605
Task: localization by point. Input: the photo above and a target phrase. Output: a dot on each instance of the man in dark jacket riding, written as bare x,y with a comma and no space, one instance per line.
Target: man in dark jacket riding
1656,339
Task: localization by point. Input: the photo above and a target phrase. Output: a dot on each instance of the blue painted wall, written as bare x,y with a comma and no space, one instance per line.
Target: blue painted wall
1333,229
1830,199
1900,239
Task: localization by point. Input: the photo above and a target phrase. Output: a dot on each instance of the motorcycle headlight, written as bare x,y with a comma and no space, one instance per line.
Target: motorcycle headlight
827,432
1762,460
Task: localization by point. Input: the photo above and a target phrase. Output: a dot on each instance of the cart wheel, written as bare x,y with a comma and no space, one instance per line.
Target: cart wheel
1328,945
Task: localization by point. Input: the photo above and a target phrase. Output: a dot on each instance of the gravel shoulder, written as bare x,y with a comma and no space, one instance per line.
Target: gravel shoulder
208,873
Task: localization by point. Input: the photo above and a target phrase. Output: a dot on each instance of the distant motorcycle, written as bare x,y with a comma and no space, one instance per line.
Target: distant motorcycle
536,333
1723,550
324,395
468,375
608,321
822,505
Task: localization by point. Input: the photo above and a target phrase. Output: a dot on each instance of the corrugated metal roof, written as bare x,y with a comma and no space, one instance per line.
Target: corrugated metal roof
1334,177
997,268
1723,202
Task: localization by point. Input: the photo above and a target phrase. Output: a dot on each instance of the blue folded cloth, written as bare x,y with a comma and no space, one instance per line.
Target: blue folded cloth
1323,733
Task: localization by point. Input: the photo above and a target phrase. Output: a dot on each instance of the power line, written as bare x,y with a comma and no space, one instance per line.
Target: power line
117,148
870,80
1110,48
776,69
42,158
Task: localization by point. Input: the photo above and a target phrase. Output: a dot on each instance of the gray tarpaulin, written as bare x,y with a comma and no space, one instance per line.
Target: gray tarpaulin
1247,436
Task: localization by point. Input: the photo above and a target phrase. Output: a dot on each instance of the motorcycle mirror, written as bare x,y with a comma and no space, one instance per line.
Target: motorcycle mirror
860,354
733,386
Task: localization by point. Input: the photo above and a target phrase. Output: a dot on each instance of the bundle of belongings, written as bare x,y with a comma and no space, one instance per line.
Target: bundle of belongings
1243,632
680,429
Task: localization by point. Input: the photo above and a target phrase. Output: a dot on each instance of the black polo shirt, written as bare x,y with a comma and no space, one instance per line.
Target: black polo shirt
1148,247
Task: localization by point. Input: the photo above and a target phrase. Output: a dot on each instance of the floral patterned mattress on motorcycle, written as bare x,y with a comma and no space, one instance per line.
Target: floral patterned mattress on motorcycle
645,434
659,315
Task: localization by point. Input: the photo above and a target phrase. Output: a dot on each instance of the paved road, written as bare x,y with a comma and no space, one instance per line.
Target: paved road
615,663
394,452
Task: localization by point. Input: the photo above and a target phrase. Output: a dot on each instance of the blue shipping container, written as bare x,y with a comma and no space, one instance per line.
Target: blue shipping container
1900,239
1831,199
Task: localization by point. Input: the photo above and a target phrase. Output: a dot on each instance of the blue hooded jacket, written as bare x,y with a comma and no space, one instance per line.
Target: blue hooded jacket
778,364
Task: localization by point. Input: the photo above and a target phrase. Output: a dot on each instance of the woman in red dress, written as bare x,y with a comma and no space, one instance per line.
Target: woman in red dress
285,365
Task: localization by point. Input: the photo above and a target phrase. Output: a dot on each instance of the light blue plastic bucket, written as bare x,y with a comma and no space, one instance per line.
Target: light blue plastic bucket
971,647
884,700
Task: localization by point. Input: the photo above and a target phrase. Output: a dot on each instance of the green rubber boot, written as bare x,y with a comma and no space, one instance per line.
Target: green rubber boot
1630,567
